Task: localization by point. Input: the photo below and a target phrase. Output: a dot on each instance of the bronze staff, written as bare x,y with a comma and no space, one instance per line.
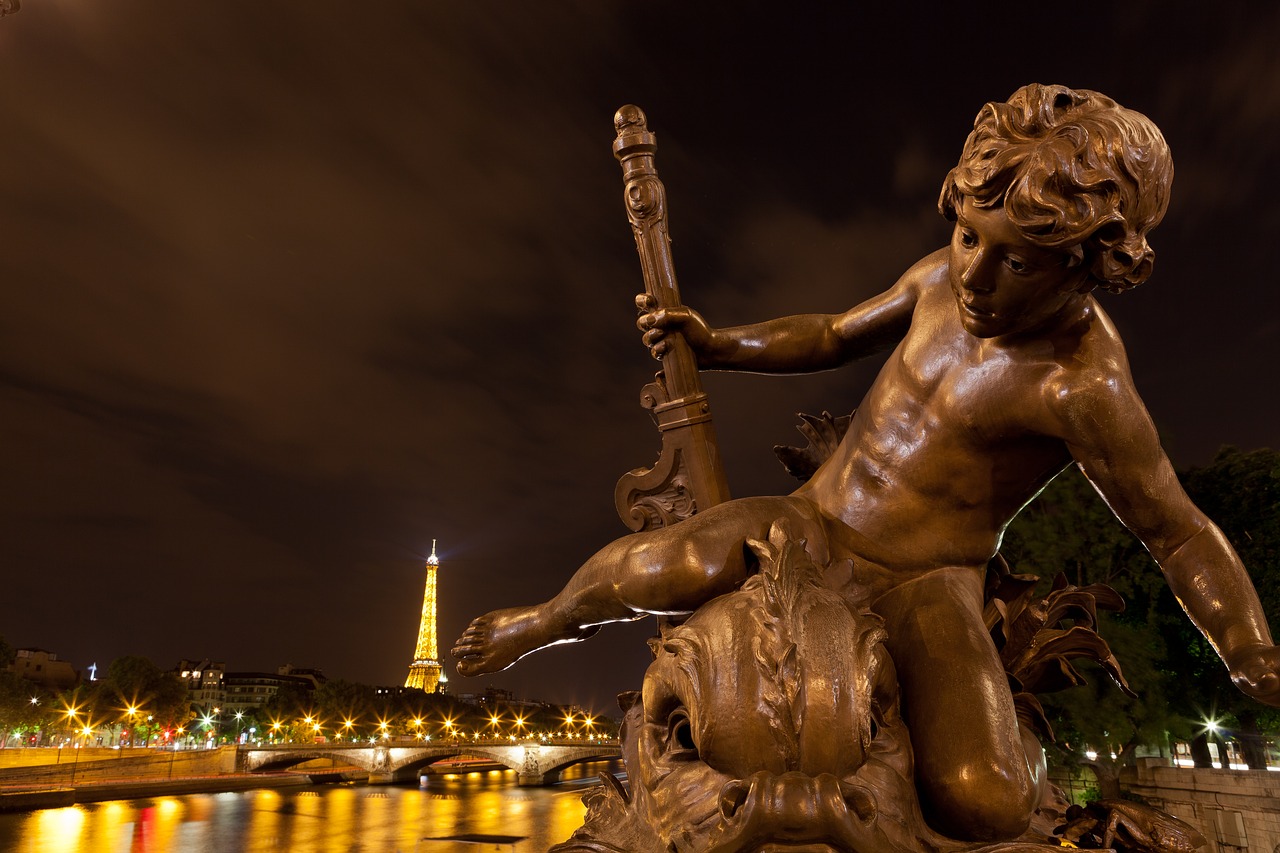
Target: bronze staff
688,475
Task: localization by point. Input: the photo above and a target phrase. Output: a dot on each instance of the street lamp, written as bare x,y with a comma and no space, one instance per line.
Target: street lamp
86,731
208,721
131,713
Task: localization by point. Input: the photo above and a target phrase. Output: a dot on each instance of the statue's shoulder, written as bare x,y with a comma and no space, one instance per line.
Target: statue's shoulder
928,276
1091,379
932,270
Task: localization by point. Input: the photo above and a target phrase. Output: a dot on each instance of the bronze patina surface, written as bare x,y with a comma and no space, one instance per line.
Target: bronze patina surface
840,684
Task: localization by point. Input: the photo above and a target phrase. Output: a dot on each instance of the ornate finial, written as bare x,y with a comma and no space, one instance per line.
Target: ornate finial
630,118
433,560
633,133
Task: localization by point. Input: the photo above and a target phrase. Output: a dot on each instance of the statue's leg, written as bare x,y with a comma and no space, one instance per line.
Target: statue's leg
973,773
670,570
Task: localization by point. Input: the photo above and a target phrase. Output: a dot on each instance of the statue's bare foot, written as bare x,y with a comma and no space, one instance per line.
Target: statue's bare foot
496,640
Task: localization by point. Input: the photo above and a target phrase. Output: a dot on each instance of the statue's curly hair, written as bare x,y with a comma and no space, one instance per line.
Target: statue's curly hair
1074,171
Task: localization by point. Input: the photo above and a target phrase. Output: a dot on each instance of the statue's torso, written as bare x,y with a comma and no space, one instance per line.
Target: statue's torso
953,438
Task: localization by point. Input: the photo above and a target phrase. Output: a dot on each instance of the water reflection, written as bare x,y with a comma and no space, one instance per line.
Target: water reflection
327,819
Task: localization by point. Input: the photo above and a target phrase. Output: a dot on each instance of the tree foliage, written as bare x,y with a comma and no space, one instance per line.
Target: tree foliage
1240,491
136,682
1070,529
1178,676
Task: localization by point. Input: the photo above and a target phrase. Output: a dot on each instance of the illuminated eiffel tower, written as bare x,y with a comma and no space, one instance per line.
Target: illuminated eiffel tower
424,672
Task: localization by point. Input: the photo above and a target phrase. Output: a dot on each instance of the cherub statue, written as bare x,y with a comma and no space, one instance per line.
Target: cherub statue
1004,369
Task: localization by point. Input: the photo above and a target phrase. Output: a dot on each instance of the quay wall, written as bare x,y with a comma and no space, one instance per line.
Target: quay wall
1237,810
50,766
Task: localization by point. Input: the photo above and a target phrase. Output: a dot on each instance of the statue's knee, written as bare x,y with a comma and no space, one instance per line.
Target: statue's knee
979,803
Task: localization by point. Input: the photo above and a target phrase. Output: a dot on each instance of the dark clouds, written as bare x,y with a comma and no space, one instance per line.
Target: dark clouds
289,291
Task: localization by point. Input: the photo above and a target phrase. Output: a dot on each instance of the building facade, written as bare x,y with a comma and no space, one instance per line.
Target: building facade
205,681
42,668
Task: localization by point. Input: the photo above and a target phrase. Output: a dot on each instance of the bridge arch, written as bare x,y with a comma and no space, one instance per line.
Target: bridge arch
535,763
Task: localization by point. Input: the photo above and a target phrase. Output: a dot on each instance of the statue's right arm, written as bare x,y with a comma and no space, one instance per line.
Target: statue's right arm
800,343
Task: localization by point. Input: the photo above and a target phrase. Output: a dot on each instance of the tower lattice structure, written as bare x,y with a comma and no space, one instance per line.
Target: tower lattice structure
424,672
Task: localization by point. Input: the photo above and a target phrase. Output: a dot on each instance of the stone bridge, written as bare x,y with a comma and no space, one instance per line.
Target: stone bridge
535,763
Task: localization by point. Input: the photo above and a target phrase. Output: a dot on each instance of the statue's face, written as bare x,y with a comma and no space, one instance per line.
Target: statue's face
754,734
1003,284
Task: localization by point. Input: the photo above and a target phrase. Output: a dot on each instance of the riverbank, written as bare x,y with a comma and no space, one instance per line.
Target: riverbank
18,797
18,794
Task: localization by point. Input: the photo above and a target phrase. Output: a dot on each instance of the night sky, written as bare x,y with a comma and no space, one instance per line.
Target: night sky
291,289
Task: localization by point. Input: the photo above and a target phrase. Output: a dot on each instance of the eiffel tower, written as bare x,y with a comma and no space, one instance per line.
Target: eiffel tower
424,672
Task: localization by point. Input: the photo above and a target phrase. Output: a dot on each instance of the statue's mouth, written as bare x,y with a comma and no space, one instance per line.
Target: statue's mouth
795,813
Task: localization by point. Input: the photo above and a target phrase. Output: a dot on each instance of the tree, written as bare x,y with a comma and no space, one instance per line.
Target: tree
340,702
1069,529
143,697
18,712
290,704
1240,491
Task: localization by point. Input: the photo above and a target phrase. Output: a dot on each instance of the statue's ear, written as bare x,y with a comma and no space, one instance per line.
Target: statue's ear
628,700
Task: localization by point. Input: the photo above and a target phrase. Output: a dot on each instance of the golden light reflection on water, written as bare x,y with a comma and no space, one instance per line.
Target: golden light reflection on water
328,819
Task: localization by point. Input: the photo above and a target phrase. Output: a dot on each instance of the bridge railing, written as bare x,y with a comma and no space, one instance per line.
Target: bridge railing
449,742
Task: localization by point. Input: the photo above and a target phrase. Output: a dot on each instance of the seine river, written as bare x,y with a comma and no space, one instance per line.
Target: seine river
322,819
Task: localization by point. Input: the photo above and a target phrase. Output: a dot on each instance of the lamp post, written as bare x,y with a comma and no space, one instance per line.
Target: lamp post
86,731
173,755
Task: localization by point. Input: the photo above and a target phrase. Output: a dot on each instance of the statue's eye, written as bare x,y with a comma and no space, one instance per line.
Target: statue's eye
680,743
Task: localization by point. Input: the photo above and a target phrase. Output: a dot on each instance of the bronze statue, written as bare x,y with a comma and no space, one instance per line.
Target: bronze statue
1003,370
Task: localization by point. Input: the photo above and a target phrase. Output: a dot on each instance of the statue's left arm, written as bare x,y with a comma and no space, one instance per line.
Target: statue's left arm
1114,442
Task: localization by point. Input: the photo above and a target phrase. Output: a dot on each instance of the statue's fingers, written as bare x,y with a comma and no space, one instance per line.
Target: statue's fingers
644,302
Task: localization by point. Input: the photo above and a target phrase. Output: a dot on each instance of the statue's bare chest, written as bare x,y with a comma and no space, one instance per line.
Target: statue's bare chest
952,379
